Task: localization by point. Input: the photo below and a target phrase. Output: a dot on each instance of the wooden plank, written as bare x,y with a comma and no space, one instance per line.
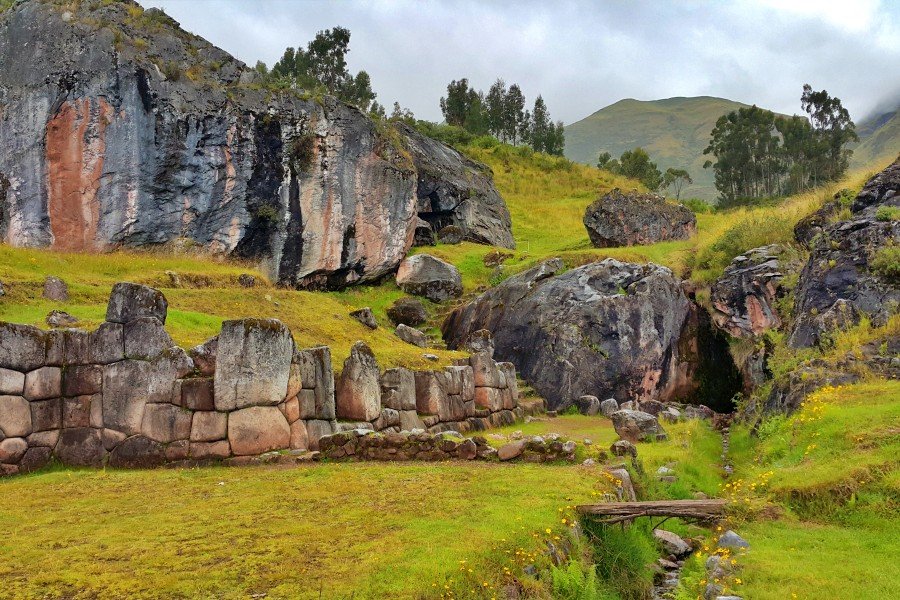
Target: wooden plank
696,509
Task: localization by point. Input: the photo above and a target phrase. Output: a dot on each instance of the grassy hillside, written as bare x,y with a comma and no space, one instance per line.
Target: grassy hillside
674,132
879,139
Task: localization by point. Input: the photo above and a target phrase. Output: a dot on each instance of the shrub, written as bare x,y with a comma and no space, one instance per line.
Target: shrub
888,213
622,555
575,582
886,263
698,206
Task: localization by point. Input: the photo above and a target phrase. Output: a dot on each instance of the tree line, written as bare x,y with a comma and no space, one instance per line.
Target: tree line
759,154
502,113
636,164
322,67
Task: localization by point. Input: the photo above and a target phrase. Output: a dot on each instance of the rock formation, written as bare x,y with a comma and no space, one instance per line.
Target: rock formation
839,283
743,298
606,329
630,219
121,129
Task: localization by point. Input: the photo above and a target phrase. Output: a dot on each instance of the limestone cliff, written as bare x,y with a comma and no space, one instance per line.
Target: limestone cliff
119,128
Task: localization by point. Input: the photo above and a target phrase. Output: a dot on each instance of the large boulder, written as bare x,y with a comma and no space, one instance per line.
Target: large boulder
131,301
632,218
744,297
358,390
607,329
433,278
841,283
636,426
453,190
253,363
407,311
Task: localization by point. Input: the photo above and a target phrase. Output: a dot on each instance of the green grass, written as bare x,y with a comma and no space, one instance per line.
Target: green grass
817,495
208,294
370,530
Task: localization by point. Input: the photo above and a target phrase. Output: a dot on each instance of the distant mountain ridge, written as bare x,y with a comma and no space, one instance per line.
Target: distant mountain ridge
674,131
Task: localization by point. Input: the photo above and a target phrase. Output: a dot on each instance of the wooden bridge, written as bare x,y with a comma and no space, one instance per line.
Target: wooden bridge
701,510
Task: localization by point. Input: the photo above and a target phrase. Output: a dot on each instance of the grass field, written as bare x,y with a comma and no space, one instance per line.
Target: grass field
366,530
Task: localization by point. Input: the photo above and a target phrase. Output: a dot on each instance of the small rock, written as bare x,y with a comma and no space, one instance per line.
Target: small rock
587,441
410,335
609,406
666,564
246,280
2,289
589,462
407,311
451,234
511,450
60,318
431,277
730,539
623,448
665,471
431,357
55,289
588,405
365,316
671,542
636,426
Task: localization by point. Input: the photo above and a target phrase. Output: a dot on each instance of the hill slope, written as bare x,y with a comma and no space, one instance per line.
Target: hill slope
674,131
879,137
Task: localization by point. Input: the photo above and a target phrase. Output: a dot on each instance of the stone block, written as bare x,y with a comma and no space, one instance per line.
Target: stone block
410,420
197,393
111,438
103,346
485,371
461,381
358,395
12,449
15,416
299,436
307,402
208,450
129,301
317,374
12,382
489,398
129,385
316,429
252,364
398,389
138,452
146,338
166,423
291,410
388,418
46,439
82,380
204,356
80,447
209,426
431,391
35,458
452,409
46,414
22,347
43,383
258,429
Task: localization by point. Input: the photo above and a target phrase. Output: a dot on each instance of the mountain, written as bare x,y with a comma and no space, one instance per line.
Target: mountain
673,131
879,137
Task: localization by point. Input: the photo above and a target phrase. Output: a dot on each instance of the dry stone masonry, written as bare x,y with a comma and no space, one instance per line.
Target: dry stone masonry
125,395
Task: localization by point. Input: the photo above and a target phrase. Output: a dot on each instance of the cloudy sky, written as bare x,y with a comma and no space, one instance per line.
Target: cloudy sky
584,55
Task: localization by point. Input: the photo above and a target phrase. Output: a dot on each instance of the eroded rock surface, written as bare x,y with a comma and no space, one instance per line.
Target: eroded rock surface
607,329
121,129
840,283
632,218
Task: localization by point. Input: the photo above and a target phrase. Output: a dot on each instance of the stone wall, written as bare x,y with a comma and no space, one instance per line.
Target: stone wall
125,395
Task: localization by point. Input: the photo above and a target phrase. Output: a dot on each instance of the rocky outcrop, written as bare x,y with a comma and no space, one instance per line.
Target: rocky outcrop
121,129
840,284
632,218
453,190
607,329
430,277
744,297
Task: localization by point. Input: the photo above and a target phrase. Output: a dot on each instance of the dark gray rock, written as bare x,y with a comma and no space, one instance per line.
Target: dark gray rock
451,234
407,311
365,316
433,278
130,301
609,406
80,447
480,341
423,234
246,280
607,329
744,297
838,285
411,335
588,405
60,318
808,230
632,218
454,190
22,347
623,448
636,426
137,452
731,540
55,289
